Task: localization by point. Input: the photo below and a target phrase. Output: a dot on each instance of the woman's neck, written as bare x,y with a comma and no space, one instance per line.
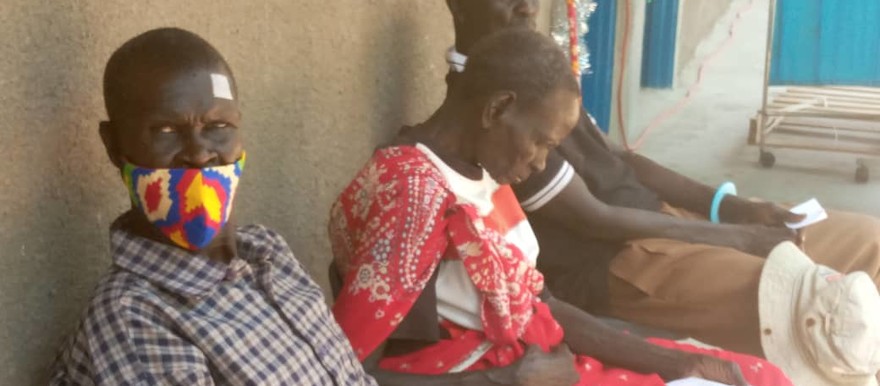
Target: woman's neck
446,134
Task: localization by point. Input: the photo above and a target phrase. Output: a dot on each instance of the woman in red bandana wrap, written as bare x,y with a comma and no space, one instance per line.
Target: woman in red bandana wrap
437,259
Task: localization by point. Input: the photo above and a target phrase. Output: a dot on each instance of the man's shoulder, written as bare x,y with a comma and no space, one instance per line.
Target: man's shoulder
257,235
117,295
259,243
107,319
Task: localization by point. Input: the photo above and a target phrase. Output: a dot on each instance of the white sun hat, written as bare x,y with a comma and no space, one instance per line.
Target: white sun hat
819,326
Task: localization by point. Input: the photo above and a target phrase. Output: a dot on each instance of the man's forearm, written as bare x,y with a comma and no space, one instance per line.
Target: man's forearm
633,224
587,335
579,211
672,187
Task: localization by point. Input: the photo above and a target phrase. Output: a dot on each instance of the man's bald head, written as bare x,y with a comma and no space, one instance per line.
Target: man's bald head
477,19
150,59
172,103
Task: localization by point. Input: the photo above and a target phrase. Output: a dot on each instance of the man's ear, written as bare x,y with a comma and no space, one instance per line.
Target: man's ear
108,136
496,107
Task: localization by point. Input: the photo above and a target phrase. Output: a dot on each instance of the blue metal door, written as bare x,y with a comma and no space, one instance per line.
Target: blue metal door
597,84
658,46
826,42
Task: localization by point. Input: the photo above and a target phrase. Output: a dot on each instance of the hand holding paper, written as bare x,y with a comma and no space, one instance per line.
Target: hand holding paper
813,211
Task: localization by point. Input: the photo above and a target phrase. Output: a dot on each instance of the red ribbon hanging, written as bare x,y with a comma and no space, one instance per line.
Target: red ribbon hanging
574,47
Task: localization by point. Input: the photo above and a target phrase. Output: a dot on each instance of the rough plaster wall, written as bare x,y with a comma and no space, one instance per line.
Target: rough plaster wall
696,21
544,15
321,82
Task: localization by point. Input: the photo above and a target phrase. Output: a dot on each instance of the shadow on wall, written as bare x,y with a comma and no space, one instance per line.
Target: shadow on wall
60,181
359,84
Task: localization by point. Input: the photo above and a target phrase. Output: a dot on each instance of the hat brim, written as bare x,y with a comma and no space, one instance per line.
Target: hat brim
781,281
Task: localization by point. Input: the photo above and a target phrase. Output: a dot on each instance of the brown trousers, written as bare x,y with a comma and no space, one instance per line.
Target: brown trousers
711,293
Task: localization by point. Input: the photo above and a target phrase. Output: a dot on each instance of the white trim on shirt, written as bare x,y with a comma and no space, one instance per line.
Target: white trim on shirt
456,60
551,190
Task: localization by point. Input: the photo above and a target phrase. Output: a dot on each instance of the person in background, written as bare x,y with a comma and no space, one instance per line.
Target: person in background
623,236
190,298
437,259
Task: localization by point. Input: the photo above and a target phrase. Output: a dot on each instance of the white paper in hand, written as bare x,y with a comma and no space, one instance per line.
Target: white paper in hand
814,213
694,382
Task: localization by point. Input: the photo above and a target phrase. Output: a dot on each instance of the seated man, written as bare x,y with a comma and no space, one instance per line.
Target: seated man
190,298
624,236
438,259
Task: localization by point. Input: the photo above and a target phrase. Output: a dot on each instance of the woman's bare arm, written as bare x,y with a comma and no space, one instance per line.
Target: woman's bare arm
588,336
535,368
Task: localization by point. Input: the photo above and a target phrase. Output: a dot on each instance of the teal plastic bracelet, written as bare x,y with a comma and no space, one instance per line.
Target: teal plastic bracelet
723,190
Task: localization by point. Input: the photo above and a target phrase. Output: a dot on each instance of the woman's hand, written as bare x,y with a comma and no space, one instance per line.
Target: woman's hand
713,369
555,368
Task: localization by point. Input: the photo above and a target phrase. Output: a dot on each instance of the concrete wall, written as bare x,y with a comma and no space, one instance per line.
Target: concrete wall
696,21
322,82
544,17
631,85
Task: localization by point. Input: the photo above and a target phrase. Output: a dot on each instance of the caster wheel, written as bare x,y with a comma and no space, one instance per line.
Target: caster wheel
863,174
767,159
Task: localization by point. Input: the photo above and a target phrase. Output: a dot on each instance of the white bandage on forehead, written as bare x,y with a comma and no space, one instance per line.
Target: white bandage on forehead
221,86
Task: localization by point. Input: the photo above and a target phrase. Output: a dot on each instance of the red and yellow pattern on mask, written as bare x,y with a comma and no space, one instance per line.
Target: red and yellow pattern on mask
189,206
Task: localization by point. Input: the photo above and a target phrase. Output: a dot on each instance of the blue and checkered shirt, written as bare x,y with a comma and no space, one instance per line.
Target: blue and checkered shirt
164,316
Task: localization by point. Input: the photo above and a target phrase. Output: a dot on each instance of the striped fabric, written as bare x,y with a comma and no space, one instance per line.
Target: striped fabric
552,189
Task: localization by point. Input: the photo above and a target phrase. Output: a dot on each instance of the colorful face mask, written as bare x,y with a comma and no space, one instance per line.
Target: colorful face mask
189,206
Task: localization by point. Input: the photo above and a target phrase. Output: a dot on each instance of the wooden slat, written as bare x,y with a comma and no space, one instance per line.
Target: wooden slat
820,145
772,123
842,113
834,136
832,103
832,119
832,91
856,89
804,95
847,126
842,97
